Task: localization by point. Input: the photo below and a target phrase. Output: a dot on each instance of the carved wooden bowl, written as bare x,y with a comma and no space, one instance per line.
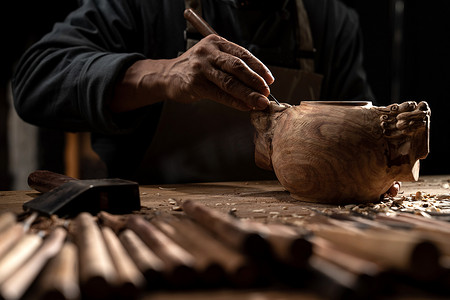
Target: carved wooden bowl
341,152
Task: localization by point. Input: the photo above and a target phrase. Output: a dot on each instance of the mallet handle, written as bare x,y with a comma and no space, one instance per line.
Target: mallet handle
44,181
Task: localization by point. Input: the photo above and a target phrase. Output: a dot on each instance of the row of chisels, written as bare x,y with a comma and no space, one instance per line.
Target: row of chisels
121,256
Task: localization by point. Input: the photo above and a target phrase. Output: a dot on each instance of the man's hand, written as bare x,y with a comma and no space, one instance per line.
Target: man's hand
214,69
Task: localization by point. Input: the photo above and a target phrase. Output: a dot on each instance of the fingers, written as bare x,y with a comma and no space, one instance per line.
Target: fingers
237,72
212,91
233,87
224,72
250,60
239,69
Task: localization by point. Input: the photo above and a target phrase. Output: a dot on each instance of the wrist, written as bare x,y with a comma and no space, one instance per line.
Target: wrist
141,85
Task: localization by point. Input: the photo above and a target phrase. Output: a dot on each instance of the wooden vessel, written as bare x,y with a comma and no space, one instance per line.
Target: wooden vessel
341,151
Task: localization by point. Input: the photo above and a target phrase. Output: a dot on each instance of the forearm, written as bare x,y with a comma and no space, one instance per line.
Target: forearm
214,69
141,85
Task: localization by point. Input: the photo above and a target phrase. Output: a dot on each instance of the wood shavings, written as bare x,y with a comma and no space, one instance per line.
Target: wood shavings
177,208
297,216
414,203
167,188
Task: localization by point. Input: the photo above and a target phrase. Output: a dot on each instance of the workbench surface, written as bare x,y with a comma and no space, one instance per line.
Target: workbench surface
251,199
265,201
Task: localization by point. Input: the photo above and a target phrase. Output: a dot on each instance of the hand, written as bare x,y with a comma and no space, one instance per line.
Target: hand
214,69
219,70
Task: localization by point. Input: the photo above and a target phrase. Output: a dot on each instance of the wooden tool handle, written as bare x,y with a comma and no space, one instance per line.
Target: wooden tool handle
18,255
59,280
9,237
7,220
44,181
231,231
130,280
145,259
97,272
17,284
179,264
198,22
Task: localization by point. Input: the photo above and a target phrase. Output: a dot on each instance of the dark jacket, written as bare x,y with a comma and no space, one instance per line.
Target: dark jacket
66,79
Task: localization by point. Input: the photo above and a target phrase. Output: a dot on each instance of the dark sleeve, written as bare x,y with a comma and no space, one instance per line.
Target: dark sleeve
66,80
337,36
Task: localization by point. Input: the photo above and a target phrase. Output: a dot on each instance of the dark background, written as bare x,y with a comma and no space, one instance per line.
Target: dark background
413,64
406,48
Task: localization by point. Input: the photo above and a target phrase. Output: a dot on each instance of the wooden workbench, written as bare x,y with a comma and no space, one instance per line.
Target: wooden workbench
253,199
264,201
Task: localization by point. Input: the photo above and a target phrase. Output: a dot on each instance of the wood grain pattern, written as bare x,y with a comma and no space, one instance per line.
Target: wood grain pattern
341,152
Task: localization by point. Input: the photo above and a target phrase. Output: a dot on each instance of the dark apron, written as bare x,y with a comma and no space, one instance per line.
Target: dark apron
206,141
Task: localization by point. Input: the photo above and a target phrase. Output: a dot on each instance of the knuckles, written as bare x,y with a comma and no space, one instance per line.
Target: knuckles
229,83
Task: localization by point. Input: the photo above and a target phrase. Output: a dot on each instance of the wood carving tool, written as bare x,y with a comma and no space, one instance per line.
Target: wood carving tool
7,220
197,240
155,254
59,280
210,271
205,29
179,264
289,245
18,255
66,196
331,281
130,281
97,272
18,283
230,230
406,252
10,236
239,269
150,265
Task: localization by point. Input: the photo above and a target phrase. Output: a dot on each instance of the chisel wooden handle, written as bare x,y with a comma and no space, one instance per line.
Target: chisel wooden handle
130,280
198,22
13,233
97,272
18,255
288,245
240,270
211,272
16,285
7,220
231,231
179,264
44,181
59,279
145,259
10,237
